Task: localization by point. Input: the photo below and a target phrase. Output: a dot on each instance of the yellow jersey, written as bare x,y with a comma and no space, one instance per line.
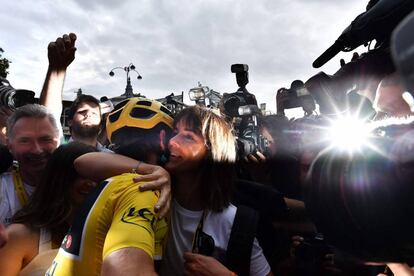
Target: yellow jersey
114,216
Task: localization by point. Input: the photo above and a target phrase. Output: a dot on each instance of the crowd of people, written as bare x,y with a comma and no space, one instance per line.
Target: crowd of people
151,192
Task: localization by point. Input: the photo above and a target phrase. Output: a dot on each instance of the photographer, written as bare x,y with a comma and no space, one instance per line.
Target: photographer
262,141
276,166
363,202
265,161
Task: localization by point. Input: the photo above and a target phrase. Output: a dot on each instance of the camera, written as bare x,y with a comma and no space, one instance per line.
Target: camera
313,249
331,92
377,22
241,107
358,199
203,244
296,96
14,98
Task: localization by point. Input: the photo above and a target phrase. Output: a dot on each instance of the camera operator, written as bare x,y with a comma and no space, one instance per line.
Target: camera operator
241,109
390,99
364,72
264,151
266,162
363,202
310,135
276,166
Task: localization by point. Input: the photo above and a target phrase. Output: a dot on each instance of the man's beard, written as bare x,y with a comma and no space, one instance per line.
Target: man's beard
86,131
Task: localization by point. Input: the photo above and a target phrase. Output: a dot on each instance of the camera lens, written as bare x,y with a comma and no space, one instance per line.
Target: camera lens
206,244
6,96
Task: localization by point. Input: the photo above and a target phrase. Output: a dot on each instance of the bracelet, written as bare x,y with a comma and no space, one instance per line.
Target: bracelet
135,170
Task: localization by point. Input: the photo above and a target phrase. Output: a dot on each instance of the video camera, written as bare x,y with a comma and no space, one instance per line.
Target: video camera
241,107
377,22
14,98
363,72
359,199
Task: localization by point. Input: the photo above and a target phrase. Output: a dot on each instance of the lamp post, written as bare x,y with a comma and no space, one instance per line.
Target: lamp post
128,89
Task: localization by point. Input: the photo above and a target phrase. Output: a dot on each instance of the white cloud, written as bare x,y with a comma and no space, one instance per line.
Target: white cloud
174,44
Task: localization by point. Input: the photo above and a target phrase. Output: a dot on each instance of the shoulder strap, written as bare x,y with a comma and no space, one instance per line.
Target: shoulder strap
239,248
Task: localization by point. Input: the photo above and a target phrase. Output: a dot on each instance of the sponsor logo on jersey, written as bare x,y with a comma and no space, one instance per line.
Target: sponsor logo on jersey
133,216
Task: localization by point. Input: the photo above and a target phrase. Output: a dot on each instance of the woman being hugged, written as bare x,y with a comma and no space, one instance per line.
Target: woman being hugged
202,157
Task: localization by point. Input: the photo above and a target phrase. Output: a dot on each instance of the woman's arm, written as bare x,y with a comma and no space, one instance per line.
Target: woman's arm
20,249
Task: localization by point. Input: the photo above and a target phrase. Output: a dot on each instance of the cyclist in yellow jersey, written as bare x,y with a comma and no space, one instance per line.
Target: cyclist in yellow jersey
116,215
116,230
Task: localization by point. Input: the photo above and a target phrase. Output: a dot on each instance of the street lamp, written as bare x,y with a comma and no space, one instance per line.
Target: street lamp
128,89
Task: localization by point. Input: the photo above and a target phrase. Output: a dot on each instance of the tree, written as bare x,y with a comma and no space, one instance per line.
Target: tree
4,65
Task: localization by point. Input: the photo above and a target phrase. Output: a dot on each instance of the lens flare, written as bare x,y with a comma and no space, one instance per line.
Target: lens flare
348,133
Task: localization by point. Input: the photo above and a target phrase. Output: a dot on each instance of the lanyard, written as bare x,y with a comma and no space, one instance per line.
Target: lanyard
196,238
18,186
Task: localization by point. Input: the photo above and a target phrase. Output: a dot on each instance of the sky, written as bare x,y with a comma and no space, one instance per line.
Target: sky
174,44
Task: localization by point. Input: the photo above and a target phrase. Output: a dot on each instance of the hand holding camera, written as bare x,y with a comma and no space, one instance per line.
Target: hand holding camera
241,107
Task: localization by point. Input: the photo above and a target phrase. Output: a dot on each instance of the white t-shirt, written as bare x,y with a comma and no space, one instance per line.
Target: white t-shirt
218,225
9,201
